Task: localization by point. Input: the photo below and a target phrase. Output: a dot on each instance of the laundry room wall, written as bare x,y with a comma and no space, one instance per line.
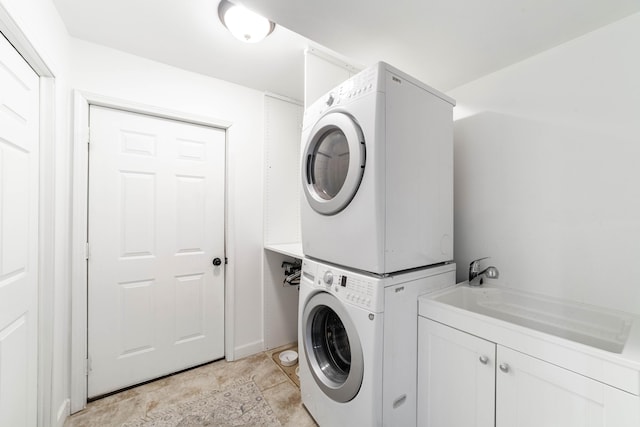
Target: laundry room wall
41,24
108,72
547,181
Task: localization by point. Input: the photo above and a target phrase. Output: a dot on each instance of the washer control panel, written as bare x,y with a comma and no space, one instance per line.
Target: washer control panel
352,288
328,278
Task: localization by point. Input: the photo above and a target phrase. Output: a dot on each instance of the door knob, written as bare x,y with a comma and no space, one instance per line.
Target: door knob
483,359
504,367
217,261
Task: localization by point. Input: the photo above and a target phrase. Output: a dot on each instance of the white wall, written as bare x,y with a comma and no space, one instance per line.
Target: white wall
547,176
115,74
41,24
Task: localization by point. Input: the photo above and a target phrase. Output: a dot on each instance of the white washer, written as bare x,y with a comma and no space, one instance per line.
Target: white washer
377,174
357,340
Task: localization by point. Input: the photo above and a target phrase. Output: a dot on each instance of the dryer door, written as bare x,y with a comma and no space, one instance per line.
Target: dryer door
332,347
333,163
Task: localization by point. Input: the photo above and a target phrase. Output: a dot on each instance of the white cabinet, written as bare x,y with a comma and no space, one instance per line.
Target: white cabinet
534,393
459,374
456,377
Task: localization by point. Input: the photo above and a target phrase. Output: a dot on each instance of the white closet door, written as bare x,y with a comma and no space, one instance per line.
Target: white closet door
19,128
156,223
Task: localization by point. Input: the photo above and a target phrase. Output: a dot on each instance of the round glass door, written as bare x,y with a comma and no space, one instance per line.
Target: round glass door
333,164
330,164
332,348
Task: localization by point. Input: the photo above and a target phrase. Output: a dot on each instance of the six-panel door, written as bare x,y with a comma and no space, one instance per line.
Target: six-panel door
156,225
19,132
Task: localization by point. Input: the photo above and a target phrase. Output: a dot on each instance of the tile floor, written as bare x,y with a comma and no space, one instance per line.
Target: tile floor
280,392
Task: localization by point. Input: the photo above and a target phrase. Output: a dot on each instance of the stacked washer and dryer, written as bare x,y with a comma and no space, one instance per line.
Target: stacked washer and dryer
377,231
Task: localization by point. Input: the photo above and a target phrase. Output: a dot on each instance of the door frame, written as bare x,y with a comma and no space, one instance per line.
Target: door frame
46,215
79,307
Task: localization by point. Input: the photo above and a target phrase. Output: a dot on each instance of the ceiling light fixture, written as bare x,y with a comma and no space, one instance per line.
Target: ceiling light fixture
244,24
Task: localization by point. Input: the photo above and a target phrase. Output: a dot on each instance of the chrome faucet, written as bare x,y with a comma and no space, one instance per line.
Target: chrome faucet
476,277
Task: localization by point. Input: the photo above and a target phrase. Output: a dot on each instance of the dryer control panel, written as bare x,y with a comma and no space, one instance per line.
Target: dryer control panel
362,84
352,288
354,88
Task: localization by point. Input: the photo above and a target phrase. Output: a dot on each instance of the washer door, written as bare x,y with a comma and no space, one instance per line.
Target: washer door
333,163
332,347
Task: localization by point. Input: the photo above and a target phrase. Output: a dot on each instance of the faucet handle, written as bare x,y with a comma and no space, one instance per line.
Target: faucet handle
474,267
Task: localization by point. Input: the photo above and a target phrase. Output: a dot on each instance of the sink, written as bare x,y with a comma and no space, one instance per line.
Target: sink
593,326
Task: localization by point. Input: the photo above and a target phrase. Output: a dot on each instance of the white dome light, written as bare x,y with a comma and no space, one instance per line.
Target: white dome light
244,24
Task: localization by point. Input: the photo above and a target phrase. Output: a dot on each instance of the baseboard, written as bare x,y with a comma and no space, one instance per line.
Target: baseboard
248,349
63,413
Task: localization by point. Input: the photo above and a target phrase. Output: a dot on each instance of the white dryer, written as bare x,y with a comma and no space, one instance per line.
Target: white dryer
357,340
377,174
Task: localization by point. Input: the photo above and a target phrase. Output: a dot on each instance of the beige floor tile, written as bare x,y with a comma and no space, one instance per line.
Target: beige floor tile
284,399
108,415
156,395
260,367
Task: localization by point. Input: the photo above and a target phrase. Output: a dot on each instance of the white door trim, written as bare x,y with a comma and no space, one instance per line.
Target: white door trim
46,213
82,100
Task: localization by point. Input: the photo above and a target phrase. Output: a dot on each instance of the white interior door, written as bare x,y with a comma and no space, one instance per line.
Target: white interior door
156,223
19,128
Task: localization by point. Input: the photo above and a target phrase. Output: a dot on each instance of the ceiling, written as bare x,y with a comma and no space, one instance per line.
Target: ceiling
445,43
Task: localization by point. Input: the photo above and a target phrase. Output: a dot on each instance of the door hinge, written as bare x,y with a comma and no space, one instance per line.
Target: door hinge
86,251
87,365
88,135
226,260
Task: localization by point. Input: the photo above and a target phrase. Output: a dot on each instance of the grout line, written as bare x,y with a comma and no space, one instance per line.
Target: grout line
273,386
282,373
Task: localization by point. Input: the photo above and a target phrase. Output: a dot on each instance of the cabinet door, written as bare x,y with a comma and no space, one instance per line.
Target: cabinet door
534,393
456,377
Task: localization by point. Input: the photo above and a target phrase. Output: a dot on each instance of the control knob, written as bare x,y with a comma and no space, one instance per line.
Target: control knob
328,278
330,100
